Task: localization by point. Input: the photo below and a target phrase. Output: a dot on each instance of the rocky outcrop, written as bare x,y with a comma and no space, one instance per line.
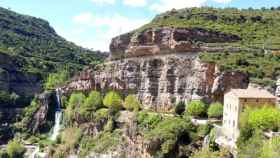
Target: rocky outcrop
13,80
227,80
159,78
159,65
40,116
166,40
82,81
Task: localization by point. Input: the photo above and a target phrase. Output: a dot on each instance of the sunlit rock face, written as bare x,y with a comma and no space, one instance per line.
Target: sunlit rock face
162,65
159,78
165,41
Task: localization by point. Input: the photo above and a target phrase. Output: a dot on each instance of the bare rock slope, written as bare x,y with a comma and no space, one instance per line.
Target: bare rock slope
160,65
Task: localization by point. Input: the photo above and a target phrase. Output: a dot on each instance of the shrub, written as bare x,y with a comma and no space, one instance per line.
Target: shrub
148,120
102,143
131,103
252,147
15,149
271,148
215,110
205,153
180,108
55,79
169,132
112,100
266,118
93,101
3,154
76,100
196,108
203,130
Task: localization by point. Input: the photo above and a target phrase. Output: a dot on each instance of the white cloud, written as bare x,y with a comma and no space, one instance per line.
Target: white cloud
115,25
223,1
164,5
83,18
135,3
101,2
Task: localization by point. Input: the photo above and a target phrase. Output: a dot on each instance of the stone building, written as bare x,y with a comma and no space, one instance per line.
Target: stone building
235,101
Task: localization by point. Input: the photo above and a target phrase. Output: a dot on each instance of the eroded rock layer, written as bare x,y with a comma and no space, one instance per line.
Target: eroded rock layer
158,79
166,40
161,66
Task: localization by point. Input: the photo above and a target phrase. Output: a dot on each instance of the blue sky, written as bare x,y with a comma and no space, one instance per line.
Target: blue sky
92,23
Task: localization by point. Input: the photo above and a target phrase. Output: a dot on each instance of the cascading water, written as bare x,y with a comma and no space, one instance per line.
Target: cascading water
206,140
58,116
57,125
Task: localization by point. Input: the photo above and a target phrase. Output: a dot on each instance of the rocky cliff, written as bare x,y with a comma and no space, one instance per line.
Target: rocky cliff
166,40
23,84
161,64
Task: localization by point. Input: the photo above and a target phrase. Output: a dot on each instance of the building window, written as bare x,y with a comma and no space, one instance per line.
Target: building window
233,123
245,100
257,100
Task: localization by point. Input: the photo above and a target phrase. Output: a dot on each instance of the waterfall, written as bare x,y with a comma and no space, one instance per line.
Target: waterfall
35,152
206,140
58,116
56,127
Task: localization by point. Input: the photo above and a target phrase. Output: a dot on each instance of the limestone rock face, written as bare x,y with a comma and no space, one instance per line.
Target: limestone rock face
227,80
165,40
81,82
160,65
157,79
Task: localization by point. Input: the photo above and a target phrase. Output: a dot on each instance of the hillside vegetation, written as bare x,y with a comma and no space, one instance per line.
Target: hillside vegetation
31,50
34,43
259,29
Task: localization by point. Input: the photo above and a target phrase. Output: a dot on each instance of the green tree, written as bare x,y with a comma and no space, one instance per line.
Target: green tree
205,153
3,154
271,148
266,118
215,110
131,103
15,149
196,108
76,100
180,108
55,79
93,101
252,147
112,100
